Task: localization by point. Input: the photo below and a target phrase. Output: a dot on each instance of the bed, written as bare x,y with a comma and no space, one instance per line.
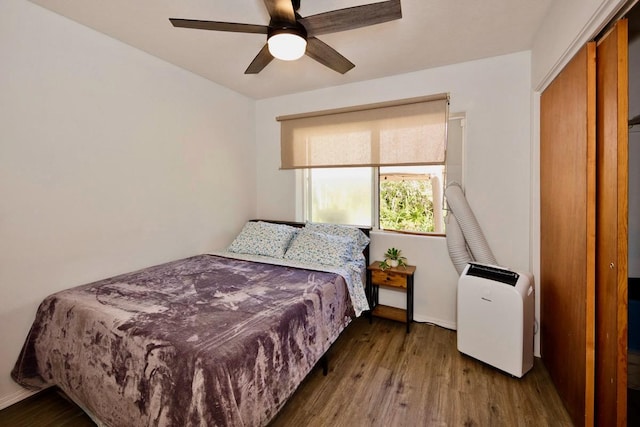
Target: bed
215,339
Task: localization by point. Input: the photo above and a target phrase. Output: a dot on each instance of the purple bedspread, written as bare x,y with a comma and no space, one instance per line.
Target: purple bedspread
206,341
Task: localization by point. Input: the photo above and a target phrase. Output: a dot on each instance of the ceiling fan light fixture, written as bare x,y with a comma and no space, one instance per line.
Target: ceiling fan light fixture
287,44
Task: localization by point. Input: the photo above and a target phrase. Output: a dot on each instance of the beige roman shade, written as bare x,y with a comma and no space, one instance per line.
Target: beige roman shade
405,132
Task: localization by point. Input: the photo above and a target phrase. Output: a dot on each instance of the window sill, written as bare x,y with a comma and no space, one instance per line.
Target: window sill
410,233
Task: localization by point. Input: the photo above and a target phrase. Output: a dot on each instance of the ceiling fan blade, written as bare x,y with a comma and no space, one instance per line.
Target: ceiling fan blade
352,17
219,26
261,60
280,10
328,56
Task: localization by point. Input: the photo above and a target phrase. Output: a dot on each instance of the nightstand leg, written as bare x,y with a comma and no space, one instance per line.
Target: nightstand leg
374,301
369,294
409,302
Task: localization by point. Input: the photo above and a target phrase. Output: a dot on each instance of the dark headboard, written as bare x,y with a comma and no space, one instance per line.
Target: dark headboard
365,230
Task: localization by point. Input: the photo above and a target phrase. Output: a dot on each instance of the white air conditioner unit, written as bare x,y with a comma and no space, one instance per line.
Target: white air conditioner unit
496,317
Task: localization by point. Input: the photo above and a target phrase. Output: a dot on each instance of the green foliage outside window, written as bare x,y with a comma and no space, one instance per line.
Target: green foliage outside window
406,205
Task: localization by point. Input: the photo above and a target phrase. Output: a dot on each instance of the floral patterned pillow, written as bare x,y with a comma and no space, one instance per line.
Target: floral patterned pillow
263,238
320,248
359,238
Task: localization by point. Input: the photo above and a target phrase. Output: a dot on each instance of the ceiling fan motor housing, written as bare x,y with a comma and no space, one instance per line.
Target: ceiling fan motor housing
294,28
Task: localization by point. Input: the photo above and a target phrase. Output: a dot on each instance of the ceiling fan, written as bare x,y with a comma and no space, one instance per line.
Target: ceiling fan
287,28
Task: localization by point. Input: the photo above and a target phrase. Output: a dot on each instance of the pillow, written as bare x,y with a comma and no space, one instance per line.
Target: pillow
320,248
354,233
263,238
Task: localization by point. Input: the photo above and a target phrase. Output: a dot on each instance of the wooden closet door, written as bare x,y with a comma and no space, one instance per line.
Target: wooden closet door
567,233
612,216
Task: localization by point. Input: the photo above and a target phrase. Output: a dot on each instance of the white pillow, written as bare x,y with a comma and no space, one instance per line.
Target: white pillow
263,238
354,233
320,248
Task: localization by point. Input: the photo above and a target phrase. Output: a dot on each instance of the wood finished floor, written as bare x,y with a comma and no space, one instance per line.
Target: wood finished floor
381,376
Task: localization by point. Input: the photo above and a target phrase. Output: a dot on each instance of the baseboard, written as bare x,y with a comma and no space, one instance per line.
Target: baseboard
439,322
10,399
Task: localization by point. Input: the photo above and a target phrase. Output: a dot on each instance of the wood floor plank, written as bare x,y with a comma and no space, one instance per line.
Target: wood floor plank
48,408
379,375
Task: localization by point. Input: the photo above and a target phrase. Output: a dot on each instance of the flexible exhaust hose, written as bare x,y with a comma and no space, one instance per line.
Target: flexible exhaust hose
472,233
458,251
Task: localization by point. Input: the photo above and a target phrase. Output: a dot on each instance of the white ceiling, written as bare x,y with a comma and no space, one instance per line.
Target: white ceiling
431,33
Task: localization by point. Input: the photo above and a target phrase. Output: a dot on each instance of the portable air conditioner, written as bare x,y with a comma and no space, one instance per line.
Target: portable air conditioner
496,317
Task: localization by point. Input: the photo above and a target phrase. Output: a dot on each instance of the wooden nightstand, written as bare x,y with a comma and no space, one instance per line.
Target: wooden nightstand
398,278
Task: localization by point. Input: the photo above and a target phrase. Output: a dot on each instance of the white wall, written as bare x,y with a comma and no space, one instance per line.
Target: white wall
110,160
495,95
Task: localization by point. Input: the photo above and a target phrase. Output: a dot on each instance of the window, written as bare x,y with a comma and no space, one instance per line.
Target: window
339,195
411,198
381,165
402,198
